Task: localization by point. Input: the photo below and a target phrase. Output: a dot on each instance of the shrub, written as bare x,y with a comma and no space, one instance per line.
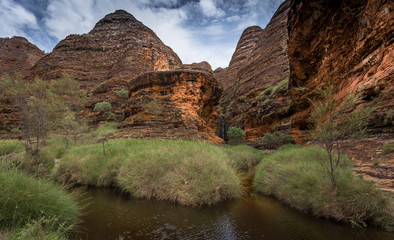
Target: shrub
276,139
297,177
154,107
235,136
388,148
123,93
102,107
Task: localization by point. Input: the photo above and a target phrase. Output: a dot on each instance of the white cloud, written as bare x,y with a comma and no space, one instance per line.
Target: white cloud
14,18
212,38
209,9
233,18
69,16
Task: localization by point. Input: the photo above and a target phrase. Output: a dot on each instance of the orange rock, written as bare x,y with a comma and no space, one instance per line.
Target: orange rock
173,104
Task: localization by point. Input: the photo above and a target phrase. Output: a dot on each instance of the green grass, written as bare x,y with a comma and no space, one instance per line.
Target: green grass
242,157
184,172
296,176
25,200
10,146
42,229
101,132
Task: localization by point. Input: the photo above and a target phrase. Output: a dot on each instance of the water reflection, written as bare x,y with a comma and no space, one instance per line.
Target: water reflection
110,216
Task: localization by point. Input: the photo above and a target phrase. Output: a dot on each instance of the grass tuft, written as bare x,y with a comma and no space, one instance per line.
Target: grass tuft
10,146
184,172
296,176
25,200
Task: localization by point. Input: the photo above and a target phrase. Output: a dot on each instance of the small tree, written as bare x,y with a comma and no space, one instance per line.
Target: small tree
333,121
235,136
70,91
43,105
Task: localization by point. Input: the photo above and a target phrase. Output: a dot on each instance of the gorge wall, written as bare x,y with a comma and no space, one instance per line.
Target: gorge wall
348,44
255,84
275,71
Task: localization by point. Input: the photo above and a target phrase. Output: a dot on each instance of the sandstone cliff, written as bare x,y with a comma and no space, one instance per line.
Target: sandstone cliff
255,83
348,44
104,60
172,104
17,55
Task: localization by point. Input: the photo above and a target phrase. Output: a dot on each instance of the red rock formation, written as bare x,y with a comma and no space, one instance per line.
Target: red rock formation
104,61
172,104
17,55
246,44
255,93
348,44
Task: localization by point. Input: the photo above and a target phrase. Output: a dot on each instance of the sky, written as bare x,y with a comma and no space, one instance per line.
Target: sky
197,30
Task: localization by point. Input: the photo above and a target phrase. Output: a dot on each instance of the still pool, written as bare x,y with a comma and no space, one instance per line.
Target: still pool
112,216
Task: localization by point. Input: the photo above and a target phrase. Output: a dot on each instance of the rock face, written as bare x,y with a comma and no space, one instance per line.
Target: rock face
104,61
173,104
17,55
246,44
255,83
348,44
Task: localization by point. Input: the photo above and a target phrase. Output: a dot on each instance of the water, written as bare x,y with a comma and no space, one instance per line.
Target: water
254,217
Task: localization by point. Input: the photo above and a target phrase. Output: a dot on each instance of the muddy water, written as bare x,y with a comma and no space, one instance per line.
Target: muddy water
254,217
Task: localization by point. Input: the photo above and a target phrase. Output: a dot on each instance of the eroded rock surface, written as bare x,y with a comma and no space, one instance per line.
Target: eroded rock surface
104,60
348,44
17,54
173,104
255,83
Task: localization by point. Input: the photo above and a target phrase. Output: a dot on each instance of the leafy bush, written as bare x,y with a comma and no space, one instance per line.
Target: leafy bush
123,93
297,177
388,148
276,139
235,136
102,107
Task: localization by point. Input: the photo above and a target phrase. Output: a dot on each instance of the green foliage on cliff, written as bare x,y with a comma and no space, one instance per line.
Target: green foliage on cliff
297,177
102,107
388,148
123,93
